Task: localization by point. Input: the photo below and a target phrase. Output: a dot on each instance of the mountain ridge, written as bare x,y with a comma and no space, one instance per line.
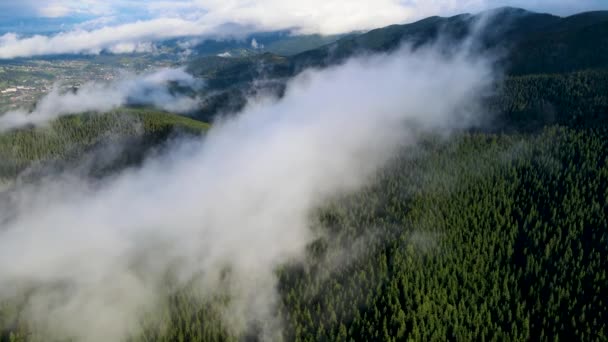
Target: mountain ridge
528,43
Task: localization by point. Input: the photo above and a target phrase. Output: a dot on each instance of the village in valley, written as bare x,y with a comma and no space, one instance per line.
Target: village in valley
23,82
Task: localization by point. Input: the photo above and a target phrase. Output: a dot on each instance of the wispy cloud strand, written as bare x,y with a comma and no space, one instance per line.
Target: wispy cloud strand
237,203
149,89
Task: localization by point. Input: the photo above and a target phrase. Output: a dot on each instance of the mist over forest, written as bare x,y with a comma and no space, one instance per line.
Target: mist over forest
298,172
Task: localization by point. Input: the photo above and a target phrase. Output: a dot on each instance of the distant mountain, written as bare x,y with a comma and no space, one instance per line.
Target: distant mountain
535,42
528,43
573,43
278,42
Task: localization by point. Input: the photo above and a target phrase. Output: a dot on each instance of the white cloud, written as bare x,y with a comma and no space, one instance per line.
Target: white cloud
227,210
54,11
129,47
81,41
256,45
160,19
149,89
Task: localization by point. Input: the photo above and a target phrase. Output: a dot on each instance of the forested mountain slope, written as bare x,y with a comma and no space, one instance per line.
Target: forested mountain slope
527,43
487,237
71,138
530,102
480,237
535,42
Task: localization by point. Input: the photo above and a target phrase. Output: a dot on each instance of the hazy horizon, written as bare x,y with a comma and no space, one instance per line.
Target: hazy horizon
72,27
